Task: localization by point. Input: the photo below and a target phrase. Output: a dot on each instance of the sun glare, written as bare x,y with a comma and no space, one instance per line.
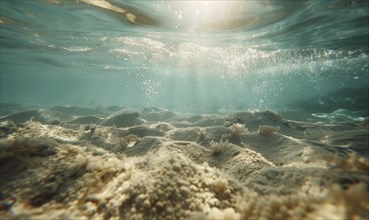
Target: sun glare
208,14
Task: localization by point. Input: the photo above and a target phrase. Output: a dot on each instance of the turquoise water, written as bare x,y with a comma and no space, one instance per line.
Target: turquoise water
189,56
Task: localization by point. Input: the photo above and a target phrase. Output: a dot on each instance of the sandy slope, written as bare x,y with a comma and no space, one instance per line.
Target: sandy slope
156,164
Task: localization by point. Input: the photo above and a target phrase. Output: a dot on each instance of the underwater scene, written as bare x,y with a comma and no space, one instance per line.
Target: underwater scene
184,109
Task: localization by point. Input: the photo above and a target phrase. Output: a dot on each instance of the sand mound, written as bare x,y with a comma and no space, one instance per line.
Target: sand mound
44,116
124,119
74,110
154,170
11,108
157,114
86,120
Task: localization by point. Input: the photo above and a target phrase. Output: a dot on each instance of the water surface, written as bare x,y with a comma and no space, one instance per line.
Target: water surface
192,56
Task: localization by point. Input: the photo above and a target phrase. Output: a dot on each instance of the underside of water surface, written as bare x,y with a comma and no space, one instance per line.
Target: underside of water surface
189,56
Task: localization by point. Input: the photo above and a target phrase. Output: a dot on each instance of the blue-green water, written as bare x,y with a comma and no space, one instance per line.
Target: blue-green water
191,56
125,109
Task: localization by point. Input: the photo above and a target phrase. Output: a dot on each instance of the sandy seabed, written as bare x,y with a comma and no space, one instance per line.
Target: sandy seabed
78,163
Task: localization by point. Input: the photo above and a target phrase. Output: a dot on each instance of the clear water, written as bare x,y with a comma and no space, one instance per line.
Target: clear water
189,56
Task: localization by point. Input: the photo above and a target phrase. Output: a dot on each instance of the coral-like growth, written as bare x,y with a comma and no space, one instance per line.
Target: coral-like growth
353,163
226,214
128,141
201,133
334,203
26,147
7,127
267,130
327,205
218,148
220,185
238,129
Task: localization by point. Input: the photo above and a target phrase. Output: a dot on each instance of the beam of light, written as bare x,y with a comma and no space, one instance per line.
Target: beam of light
211,15
205,14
